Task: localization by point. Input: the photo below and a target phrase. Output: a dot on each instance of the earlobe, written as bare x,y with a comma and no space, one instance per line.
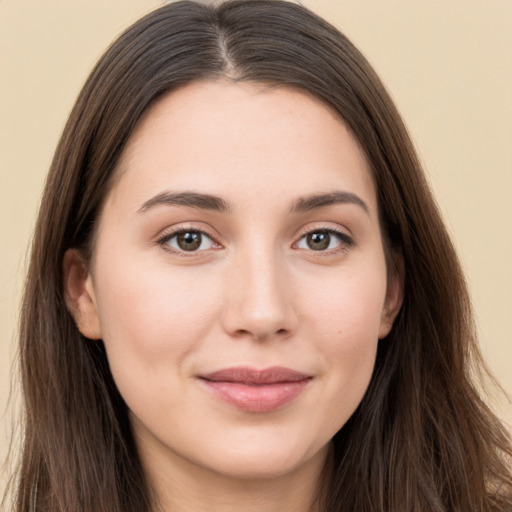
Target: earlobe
394,296
79,294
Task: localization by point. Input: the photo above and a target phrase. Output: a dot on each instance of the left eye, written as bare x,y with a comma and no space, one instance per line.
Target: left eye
321,240
189,241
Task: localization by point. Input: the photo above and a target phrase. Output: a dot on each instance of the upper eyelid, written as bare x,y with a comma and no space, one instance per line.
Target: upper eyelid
337,230
173,231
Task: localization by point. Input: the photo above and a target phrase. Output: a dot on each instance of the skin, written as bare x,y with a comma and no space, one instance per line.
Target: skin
254,294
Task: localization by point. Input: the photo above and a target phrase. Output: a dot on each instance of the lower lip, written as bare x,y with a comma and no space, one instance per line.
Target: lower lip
257,398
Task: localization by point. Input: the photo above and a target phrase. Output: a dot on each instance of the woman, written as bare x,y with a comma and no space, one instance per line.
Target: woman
241,294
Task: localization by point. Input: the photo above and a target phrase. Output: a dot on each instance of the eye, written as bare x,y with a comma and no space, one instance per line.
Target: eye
188,240
323,240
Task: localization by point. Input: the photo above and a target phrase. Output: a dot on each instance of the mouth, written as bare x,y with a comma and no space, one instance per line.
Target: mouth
253,390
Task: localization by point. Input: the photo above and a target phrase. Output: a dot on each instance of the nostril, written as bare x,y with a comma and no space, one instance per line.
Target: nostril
261,336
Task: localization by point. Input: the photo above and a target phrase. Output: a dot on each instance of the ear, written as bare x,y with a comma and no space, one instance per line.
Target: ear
79,294
394,294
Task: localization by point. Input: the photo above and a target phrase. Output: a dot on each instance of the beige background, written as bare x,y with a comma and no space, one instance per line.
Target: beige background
447,63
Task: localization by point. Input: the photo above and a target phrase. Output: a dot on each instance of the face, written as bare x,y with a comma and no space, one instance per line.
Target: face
238,280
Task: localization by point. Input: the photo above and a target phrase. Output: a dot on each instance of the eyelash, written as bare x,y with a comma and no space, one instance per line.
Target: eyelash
346,241
168,236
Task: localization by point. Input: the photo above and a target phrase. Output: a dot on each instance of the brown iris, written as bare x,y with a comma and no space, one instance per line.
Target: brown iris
319,240
189,240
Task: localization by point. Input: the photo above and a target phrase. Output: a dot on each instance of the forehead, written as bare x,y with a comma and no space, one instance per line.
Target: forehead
226,135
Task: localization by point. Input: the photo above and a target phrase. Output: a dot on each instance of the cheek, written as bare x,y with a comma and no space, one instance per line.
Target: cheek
344,320
346,308
151,319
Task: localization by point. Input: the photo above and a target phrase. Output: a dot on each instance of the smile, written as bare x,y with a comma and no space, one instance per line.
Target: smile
254,390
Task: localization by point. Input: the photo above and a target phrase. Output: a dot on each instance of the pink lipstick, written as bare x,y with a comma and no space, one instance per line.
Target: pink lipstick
255,390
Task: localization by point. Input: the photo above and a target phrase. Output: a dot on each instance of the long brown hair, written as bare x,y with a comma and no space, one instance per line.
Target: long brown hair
422,438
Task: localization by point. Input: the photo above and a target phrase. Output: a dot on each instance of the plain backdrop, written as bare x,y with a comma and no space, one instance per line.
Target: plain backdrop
448,65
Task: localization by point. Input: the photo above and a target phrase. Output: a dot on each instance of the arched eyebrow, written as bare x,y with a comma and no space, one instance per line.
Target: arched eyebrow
315,201
189,199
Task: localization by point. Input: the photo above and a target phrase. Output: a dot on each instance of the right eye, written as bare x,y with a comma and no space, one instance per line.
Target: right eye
187,240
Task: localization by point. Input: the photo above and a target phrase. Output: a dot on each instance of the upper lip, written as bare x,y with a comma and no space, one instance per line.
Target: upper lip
247,375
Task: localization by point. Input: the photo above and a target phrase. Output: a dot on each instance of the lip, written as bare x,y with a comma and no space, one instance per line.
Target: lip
253,390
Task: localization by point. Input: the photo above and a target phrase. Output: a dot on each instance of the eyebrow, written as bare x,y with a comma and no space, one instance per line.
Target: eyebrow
215,203
190,199
316,201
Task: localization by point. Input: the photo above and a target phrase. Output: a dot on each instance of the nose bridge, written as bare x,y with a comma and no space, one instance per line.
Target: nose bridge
259,301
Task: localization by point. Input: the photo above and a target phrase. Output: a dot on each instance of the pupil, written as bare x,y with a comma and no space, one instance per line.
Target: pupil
318,241
189,241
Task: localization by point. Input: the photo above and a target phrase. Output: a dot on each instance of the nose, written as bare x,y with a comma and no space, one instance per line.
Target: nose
259,301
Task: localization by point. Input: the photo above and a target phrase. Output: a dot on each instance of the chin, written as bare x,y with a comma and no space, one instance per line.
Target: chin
267,462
